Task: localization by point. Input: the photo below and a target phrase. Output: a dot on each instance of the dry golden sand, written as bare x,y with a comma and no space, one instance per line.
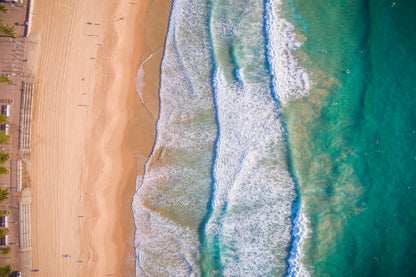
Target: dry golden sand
83,162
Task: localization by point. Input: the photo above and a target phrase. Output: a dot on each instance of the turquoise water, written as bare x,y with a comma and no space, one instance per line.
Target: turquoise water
285,142
353,139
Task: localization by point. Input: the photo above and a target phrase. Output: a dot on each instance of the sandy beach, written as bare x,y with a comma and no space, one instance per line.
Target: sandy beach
91,132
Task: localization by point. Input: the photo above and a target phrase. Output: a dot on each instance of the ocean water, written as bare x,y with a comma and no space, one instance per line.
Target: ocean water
286,142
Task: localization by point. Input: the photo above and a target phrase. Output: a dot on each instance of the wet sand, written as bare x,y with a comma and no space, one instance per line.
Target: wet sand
91,132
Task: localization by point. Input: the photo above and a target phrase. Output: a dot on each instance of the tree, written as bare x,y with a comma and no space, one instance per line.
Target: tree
4,212
5,271
7,30
4,139
4,194
3,8
4,170
3,118
5,251
4,157
3,232
5,79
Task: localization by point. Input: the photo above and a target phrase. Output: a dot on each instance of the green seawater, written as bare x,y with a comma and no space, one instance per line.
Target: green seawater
353,139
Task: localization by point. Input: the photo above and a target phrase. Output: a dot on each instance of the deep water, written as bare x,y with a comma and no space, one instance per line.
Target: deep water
353,139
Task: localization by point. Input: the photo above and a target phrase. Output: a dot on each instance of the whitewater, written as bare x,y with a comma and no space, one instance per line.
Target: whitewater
218,197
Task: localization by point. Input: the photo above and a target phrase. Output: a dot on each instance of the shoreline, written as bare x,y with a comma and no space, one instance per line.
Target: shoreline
90,134
140,131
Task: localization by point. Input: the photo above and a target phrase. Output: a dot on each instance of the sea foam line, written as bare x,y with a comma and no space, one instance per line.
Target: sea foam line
248,229
289,81
298,235
253,189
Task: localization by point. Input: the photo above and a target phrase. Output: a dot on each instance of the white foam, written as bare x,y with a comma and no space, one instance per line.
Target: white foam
252,182
250,222
254,191
139,79
296,268
171,198
139,82
289,79
163,247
